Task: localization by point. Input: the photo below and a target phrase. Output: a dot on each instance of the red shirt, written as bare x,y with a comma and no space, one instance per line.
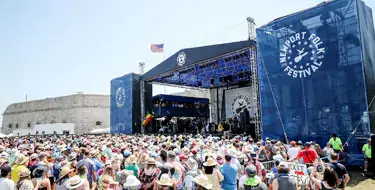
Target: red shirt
308,155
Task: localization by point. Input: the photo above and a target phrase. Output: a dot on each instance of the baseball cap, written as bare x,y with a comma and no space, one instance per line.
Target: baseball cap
194,151
284,165
308,144
183,157
251,170
171,154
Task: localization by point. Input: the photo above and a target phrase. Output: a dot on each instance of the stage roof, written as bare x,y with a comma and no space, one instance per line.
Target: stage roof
191,56
172,98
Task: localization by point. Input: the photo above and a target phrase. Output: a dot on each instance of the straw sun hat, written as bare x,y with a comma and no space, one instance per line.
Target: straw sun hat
132,159
210,162
202,180
151,161
24,172
165,180
21,160
107,181
65,171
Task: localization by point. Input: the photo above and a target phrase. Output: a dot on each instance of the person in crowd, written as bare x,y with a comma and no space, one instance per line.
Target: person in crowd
328,150
336,143
77,183
214,175
98,164
293,150
132,183
172,160
175,174
203,183
261,170
229,172
329,179
149,174
318,150
86,161
191,173
132,161
284,181
108,150
227,129
250,180
108,170
366,150
341,172
277,155
164,183
65,174
183,159
51,162
24,182
5,182
308,154
19,165
41,176
42,159
33,162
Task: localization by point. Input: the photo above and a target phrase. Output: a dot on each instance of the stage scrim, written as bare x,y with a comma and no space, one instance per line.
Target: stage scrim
237,100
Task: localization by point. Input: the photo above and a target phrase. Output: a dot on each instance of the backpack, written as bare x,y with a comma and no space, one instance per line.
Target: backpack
56,170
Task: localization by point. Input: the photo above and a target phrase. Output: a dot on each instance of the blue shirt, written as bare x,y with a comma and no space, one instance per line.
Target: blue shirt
90,167
229,172
97,164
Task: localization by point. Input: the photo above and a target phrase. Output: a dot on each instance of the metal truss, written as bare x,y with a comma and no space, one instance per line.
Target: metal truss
142,96
255,92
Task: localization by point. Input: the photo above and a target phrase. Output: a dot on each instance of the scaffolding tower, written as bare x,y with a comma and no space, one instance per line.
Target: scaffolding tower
254,79
142,94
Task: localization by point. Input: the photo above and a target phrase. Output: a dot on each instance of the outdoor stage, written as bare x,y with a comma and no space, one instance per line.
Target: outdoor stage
307,75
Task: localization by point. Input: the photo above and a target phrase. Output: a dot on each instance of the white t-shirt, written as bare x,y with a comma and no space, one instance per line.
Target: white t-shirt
7,184
278,157
328,151
293,152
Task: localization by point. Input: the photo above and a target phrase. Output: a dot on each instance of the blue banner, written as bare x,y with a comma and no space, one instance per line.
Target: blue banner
311,76
121,104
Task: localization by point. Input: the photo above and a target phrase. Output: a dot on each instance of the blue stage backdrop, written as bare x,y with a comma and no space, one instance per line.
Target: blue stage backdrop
124,91
312,78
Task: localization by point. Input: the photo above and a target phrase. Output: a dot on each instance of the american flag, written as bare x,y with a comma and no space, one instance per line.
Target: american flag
157,48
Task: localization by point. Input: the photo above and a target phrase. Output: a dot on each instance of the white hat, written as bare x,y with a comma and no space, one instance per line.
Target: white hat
34,156
131,181
203,181
74,182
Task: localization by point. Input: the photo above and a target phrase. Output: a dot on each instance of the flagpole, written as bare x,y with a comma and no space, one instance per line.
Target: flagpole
165,88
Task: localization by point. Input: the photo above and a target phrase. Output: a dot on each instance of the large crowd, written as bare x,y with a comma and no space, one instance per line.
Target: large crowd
158,162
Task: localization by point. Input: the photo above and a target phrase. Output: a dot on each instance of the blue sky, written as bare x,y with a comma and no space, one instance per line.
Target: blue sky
60,47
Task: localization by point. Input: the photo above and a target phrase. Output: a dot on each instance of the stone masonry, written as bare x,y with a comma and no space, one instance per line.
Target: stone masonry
86,111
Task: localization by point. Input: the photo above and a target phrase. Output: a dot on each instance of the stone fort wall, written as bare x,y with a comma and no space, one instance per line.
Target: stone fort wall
86,111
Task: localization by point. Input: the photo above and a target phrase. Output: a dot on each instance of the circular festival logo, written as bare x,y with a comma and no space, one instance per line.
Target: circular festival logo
240,103
120,97
181,58
302,54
